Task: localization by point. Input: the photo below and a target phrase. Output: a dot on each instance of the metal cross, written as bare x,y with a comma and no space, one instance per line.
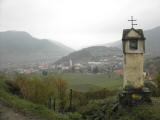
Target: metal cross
132,20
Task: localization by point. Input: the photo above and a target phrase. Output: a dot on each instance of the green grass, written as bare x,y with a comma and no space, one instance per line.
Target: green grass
30,108
85,87
87,82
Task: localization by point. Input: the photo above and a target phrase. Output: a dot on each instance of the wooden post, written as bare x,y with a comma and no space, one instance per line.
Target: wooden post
54,104
50,103
70,100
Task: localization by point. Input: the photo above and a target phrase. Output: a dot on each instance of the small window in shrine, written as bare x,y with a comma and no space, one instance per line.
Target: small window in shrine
133,44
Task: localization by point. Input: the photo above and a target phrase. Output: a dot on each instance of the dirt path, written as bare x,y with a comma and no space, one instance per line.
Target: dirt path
7,113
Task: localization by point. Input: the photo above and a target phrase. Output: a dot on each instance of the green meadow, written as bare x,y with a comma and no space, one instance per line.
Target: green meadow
88,82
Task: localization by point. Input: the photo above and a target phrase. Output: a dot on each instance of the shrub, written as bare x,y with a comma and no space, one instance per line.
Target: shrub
61,88
98,109
33,88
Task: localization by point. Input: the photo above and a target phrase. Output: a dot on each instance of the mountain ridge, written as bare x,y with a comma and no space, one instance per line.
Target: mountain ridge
113,49
19,47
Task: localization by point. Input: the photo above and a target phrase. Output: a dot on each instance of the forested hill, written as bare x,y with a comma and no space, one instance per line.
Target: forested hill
94,53
17,47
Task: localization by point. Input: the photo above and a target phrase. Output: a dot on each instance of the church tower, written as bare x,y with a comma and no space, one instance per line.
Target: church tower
133,48
70,62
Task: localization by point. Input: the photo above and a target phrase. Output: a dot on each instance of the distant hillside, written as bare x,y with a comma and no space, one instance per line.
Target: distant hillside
94,53
152,42
152,66
21,48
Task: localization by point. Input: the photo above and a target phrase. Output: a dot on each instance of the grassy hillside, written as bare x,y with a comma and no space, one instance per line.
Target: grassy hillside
94,109
28,108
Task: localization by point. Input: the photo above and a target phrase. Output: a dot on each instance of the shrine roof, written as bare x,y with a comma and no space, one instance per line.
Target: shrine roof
138,31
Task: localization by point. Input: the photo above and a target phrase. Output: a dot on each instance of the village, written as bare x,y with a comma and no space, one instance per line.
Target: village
105,65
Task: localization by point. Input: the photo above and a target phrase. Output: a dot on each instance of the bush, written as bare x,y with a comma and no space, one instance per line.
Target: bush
33,88
74,116
98,109
103,110
61,88
25,106
143,112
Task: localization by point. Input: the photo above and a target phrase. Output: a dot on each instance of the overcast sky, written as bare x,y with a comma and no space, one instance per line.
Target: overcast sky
78,23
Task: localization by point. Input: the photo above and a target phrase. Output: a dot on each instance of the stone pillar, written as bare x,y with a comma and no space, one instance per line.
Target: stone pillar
133,49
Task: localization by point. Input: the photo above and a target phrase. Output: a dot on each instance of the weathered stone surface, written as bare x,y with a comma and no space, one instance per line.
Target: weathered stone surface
133,58
133,70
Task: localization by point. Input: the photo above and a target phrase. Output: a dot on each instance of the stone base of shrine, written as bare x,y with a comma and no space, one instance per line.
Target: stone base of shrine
132,97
